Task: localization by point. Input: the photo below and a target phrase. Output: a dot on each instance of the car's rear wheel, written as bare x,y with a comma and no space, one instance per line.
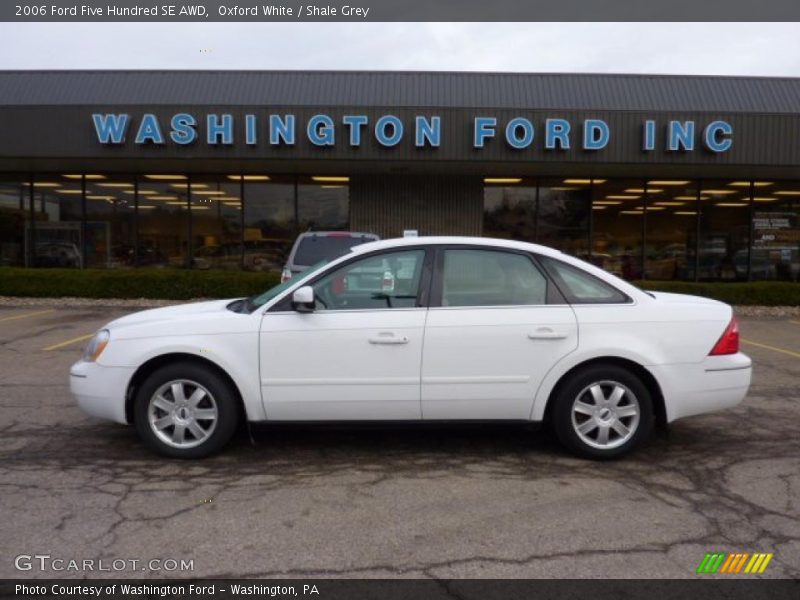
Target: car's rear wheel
184,410
603,411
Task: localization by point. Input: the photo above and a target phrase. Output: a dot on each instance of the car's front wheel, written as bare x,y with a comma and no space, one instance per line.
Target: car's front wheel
603,411
184,410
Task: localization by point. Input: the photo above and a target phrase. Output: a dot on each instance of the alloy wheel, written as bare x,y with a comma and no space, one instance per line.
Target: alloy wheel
182,413
605,414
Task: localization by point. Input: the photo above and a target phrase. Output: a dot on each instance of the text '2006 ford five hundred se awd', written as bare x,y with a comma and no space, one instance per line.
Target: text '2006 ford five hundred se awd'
421,329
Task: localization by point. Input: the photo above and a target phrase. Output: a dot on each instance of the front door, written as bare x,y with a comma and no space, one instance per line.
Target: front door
358,355
497,331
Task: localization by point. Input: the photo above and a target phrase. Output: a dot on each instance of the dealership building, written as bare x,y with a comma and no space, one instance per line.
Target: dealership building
650,177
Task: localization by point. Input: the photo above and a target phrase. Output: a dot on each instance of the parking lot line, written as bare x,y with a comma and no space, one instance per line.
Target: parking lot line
68,342
795,322
773,348
25,316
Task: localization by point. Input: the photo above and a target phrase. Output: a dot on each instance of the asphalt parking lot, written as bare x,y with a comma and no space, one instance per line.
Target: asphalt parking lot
391,501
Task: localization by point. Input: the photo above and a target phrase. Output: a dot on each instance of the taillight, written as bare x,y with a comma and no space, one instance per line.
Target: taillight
286,274
729,342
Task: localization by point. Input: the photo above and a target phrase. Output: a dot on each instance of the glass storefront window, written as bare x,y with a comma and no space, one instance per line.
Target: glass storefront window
564,207
163,220
724,230
323,206
671,225
509,211
14,214
270,224
110,222
617,216
216,223
710,230
776,231
56,240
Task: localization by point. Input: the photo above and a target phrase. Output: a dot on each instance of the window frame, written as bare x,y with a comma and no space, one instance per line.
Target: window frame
553,296
284,304
567,293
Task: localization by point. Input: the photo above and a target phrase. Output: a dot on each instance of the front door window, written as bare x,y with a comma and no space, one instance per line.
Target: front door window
390,280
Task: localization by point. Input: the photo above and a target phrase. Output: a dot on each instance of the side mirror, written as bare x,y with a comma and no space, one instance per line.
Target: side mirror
303,299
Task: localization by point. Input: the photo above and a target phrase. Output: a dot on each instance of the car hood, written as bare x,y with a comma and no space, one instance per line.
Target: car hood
171,313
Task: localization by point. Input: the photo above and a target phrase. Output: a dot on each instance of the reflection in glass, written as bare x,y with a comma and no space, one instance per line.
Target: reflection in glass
671,229
13,219
564,207
617,213
216,223
55,239
510,211
110,204
322,207
724,230
163,223
269,223
776,231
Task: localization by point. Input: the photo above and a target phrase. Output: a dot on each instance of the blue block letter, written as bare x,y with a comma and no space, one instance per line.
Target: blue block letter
717,136
512,129
355,123
219,128
428,130
149,130
556,130
681,136
381,127
484,128
320,130
595,134
281,130
110,129
183,129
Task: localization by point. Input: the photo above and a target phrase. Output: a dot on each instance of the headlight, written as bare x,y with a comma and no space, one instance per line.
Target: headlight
96,346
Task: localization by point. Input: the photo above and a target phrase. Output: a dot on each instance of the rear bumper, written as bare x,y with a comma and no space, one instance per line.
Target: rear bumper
100,391
717,383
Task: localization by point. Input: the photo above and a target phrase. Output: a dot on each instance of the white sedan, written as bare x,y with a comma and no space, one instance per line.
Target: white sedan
421,329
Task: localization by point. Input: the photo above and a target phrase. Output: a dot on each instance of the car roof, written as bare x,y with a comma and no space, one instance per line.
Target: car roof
338,234
459,240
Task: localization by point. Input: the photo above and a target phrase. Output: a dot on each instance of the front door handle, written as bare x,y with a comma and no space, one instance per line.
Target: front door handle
546,333
388,338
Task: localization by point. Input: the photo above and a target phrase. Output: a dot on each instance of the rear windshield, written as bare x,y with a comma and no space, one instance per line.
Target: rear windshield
314,248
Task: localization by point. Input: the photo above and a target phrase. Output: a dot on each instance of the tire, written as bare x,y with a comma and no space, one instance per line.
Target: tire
581,415
185,410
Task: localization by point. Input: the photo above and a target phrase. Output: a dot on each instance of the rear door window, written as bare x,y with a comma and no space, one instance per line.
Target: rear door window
491,278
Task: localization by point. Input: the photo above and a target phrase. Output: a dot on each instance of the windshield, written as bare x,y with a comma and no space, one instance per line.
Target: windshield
314,248
253,302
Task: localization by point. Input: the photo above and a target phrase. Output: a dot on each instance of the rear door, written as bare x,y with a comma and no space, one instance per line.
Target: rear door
495,328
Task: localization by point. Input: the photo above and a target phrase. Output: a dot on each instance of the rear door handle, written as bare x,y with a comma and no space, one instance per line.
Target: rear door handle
546,333
388,338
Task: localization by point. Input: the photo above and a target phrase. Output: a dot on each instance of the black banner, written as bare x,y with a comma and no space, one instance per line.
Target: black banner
710,587
401,10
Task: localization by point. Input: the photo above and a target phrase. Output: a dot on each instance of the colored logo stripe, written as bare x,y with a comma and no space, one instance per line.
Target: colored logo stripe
758,563
711,562
724,563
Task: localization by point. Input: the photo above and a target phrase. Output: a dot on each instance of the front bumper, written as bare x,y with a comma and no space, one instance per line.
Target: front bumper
100,391
717,383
